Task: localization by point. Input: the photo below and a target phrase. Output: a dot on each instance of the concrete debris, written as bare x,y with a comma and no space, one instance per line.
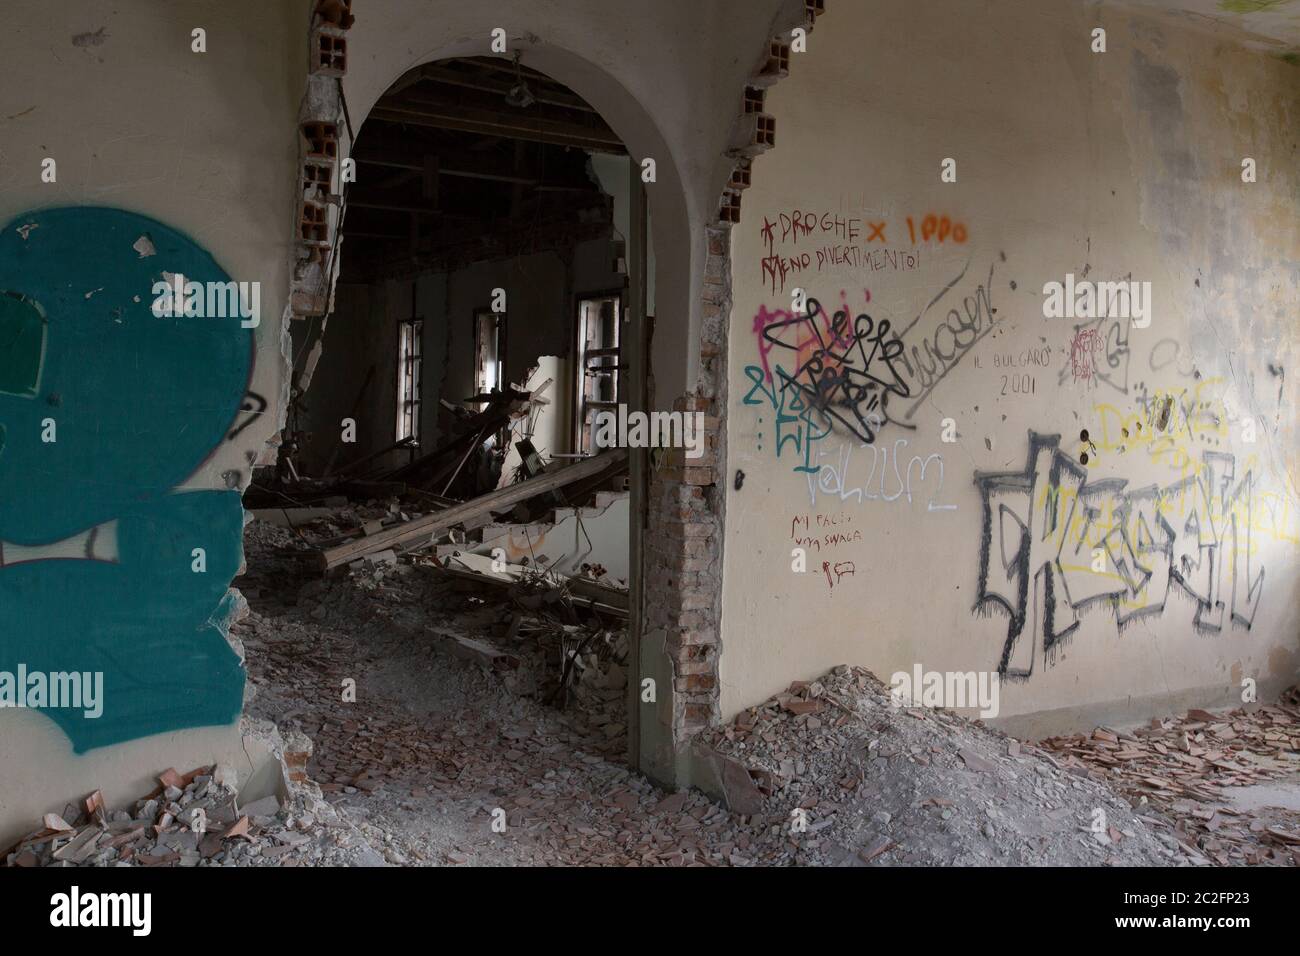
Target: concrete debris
191,819
874,784
372,713
1197,769
423,783
853,780
557,651
427,530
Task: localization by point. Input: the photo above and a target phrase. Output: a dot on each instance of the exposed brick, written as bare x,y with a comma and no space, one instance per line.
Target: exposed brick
337,12
697,716
691,475
741,178
322,140
697,601
676,492
695,668
690,403
330,46
313,224
695,682
696,548
686,563
729,208
778,59
683,543
691,529
688,637
693,622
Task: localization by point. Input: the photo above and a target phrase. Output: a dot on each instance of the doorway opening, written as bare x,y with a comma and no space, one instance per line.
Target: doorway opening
441,453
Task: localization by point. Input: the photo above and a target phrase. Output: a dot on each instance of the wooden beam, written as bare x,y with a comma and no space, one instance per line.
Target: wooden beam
438,74
497,110
413,166
499,500
393,207
383,236
500,125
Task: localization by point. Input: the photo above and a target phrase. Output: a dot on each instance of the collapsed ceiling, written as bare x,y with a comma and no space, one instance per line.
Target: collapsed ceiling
471,158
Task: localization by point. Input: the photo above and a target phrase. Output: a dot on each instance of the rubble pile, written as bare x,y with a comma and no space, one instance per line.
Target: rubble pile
417,755
875,783
549,650
193,819
421,778
601,687
1192,767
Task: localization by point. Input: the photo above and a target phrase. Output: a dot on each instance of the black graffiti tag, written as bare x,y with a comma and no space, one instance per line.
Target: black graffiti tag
849,374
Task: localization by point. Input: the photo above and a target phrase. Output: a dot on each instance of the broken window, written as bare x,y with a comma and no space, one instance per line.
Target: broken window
410,366
489,358
599,318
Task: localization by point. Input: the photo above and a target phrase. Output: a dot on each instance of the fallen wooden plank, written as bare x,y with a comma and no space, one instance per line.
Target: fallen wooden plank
601,595
583,592
291,517
357,465
313,494
441,521
428,467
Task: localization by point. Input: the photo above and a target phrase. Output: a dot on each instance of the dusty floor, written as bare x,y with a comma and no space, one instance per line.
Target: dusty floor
423,758
434,746
1229,781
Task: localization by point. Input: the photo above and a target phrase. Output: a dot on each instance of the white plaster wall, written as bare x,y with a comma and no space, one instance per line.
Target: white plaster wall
206,143
1068,162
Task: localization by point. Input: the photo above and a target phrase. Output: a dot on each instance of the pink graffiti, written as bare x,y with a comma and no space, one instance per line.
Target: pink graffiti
1085,342
810,335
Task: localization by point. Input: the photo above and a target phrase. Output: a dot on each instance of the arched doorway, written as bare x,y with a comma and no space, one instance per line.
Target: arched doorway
494,236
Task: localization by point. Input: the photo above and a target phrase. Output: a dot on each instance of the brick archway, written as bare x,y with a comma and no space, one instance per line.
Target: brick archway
687,499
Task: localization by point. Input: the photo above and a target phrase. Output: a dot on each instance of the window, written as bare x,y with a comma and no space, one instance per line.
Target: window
410,368
599,318
489,360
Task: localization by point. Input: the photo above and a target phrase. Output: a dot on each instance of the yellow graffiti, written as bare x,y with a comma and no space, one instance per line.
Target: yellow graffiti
1167,426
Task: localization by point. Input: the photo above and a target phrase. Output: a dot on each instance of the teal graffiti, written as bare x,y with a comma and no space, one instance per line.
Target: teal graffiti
796,421
96,542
